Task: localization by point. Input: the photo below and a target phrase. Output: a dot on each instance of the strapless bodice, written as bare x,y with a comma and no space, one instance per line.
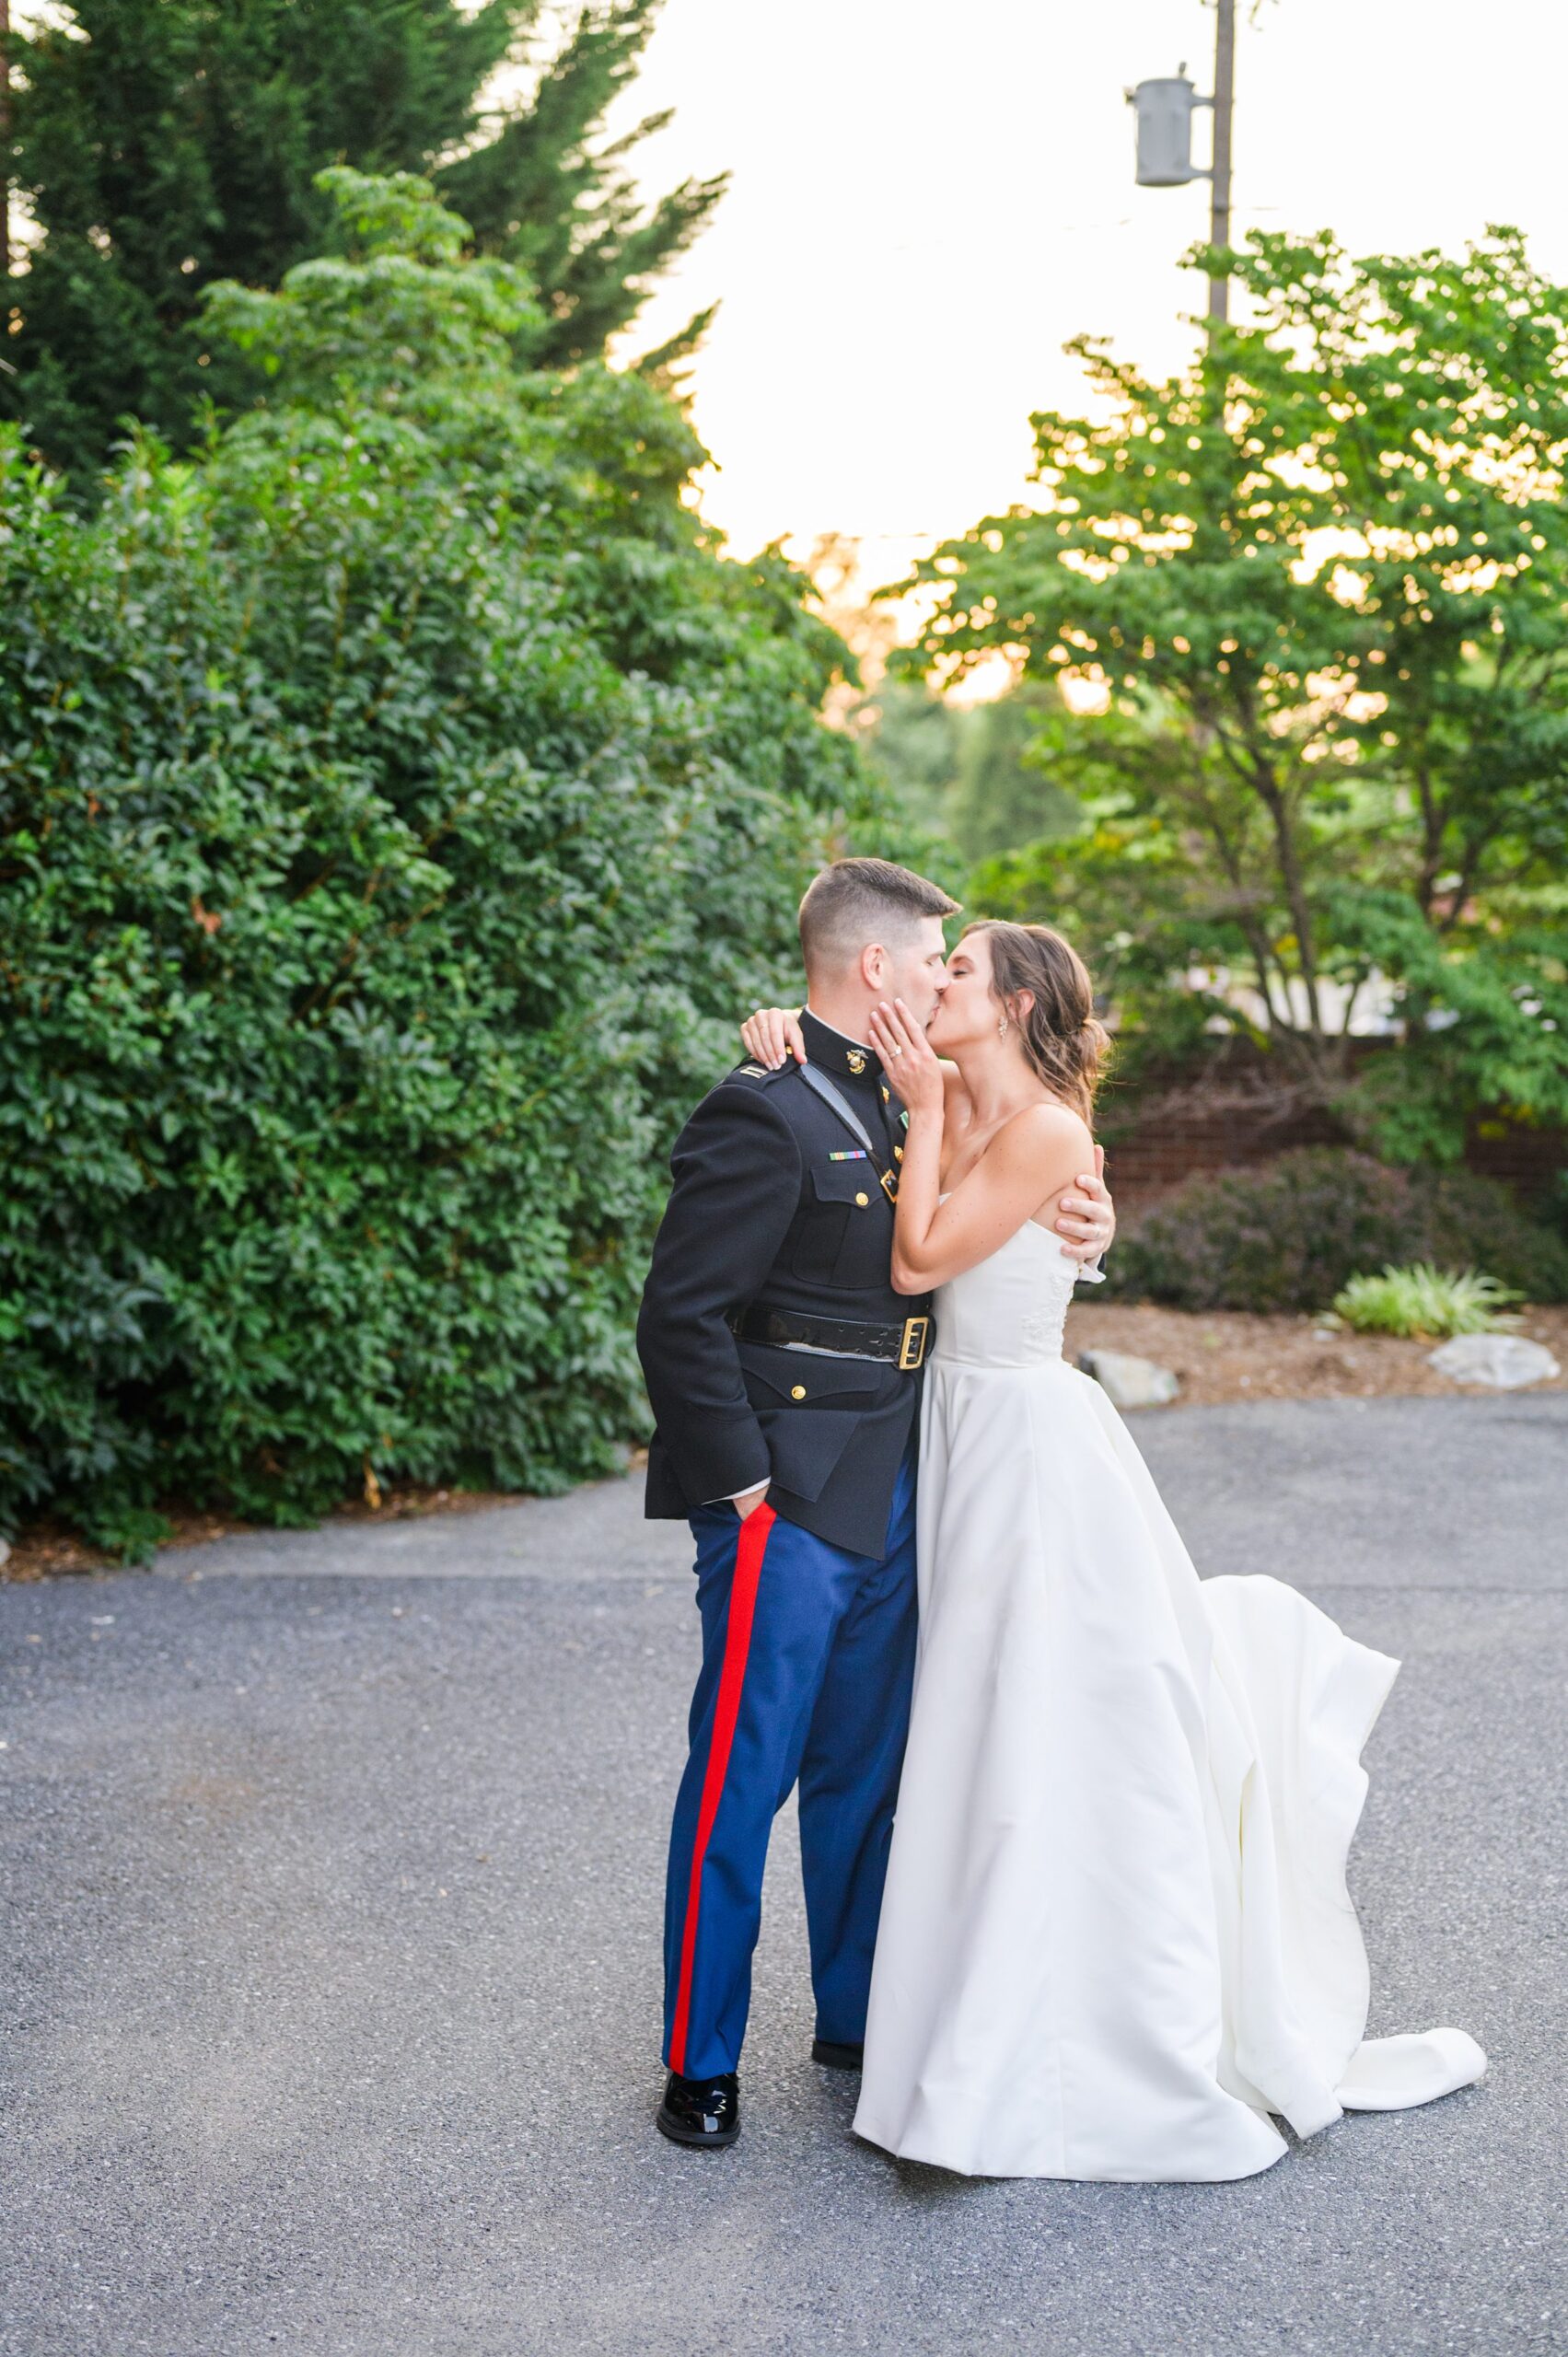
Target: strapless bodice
1010,1309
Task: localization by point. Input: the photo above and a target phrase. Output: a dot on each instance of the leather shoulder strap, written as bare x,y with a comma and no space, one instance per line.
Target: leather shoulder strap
818,1080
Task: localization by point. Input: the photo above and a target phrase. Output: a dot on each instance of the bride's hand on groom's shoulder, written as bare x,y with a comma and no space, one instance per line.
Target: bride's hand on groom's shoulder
771,1034
908,1058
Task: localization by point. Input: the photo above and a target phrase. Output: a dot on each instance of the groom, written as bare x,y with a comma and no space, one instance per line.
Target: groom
784,1375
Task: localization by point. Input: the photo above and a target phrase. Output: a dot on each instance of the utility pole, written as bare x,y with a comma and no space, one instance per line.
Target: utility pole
5,166
6,368
1224,103
1165,110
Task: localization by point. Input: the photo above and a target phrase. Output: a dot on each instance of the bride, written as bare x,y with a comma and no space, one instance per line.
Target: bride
1116,1935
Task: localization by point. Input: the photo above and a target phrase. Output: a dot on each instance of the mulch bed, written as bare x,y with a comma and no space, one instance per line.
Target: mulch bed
46,1547
1232,1355
1219,1355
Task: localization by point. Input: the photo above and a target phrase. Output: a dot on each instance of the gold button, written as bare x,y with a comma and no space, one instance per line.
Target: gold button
863,1201
898,1154
798,1391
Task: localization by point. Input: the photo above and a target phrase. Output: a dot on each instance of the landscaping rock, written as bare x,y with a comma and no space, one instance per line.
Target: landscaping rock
1130,1382
1507,1362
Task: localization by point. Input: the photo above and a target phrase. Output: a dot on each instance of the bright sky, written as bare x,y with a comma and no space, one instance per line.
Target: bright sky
928,200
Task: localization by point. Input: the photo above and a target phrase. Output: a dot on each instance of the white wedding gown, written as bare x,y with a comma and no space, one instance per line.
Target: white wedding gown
1116,1935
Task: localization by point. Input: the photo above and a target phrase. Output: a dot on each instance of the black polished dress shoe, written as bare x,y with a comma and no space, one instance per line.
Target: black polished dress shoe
834,2057
704,2112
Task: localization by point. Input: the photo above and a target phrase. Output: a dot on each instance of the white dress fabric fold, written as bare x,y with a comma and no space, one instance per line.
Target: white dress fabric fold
1116,1935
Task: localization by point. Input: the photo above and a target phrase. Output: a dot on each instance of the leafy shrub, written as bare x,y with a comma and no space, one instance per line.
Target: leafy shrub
1425,1301
1291,1233
396,810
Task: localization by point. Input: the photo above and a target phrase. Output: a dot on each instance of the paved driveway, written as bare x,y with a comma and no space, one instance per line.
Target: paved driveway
334,1863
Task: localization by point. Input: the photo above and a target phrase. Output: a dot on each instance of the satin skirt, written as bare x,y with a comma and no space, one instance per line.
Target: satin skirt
1116,1935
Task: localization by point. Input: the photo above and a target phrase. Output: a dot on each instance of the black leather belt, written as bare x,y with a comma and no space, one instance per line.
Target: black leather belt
902,1346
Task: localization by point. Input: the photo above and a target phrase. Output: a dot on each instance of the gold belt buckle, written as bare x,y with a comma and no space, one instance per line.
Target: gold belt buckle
911,1349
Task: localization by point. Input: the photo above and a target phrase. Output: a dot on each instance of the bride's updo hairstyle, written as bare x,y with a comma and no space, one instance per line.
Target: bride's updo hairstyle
1062,1036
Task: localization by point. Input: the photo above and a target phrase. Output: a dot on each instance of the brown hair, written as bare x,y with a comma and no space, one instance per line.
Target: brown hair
1063,1039
855,902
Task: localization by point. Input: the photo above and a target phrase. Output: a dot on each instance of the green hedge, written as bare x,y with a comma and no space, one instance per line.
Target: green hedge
396,810
1289,1234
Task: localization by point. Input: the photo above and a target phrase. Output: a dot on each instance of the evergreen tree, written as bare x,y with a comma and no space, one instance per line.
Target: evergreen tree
161,145
541,193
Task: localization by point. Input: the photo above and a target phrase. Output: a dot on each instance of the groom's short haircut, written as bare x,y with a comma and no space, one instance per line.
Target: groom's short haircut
857,901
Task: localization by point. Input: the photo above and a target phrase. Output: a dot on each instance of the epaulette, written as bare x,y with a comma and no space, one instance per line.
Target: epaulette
762,1071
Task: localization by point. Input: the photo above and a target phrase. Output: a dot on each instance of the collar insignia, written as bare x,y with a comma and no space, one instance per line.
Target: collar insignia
855,1060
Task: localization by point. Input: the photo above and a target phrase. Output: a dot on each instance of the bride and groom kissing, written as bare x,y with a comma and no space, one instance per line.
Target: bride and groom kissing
1072,1822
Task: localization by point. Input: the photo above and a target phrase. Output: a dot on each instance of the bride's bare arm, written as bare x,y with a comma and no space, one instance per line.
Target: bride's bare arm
1029,1162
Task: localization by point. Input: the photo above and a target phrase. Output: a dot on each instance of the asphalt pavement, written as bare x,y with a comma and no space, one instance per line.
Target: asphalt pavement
333,1863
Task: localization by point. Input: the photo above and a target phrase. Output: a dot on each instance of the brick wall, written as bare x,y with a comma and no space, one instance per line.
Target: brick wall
1239,1113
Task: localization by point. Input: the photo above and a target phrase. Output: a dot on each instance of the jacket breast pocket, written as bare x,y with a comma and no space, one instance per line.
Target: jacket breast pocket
844,1236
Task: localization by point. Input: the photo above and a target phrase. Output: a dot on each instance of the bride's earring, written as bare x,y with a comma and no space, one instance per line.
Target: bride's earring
1001,1028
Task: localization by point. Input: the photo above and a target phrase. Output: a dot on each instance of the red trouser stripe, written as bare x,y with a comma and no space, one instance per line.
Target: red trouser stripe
749,1550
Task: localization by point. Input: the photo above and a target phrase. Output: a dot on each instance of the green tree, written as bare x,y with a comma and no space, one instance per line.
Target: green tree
1001,795
164,144
968,772
398,802
910,736
1320,582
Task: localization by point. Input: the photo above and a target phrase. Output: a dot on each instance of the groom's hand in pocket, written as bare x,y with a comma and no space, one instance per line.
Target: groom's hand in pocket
749,1500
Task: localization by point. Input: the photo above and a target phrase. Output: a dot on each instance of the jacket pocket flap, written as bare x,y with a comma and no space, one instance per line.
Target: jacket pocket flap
841,1182
784,1373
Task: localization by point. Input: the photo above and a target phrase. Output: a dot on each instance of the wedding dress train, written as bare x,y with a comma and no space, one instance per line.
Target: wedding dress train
1116,1935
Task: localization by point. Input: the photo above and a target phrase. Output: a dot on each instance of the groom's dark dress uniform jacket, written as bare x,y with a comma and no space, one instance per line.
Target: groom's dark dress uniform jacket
776,1203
